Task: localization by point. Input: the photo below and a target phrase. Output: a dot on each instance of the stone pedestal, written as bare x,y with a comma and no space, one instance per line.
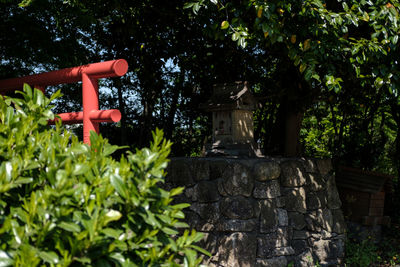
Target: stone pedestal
263,212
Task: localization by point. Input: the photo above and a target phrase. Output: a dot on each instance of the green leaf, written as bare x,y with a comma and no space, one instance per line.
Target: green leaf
242,42
235,36
176,191
201,250
118,257
69,226
109,149
180,225
224,25
112,215
180,206
191,256
119,185
5,259
196,8
114,233
49,256
188,5
169,231
80,168
302,67
395,39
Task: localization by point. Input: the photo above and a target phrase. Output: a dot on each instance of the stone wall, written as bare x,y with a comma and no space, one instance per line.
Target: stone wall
263,212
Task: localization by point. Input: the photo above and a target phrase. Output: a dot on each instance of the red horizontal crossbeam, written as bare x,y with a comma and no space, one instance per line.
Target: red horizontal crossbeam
110,115
89,74
113,68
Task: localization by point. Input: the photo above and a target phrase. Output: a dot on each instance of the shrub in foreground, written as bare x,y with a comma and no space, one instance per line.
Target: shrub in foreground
65,203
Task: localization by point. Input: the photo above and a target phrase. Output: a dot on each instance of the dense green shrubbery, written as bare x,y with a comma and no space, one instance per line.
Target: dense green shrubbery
64,203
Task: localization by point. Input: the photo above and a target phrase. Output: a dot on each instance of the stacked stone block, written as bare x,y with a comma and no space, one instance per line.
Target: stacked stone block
262,212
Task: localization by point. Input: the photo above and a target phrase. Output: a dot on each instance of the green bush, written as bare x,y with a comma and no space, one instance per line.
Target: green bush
360,253
65,203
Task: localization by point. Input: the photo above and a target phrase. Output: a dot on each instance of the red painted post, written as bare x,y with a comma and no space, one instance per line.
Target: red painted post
89,75
90,101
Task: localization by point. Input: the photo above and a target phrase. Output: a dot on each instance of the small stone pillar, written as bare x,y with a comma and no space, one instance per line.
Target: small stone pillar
232,107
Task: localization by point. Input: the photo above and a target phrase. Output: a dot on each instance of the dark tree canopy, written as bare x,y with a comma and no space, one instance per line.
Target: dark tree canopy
326,72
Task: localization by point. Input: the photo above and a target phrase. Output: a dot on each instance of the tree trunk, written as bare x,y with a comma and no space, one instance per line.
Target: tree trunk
169,122
285,139
292,133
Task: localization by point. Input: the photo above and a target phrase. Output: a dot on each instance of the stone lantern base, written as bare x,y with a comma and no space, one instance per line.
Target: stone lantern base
246,150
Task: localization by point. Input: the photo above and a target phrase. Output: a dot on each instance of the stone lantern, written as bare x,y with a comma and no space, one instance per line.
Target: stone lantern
232,107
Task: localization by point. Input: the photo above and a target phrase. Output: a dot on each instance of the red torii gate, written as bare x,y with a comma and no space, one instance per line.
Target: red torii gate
89,74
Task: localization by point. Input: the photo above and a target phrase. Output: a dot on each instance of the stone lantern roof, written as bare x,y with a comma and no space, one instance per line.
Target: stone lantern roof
230,96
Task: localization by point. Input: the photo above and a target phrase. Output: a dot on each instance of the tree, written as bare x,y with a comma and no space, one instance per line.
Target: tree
322,46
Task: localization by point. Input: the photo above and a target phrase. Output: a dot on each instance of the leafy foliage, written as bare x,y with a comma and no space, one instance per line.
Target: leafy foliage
65,203
317,35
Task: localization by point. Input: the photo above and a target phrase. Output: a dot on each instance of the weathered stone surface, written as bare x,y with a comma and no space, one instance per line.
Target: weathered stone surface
217,168
268,242
316,200
324,166
292,173
299,245
333,195
268,216
296,220
269,189
237,180
252,220
273,262
200,169
204,226
192,218
208,212
264,171
285,234
282,217
319,220
237,225
305,259
309,165
221,189
315,182
338,247
237,249
339,224
284,251
323,234
237,207
301,234
266,245
296,199
249,163
189,193
280,202
179,173
207,191
328,249
257,208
